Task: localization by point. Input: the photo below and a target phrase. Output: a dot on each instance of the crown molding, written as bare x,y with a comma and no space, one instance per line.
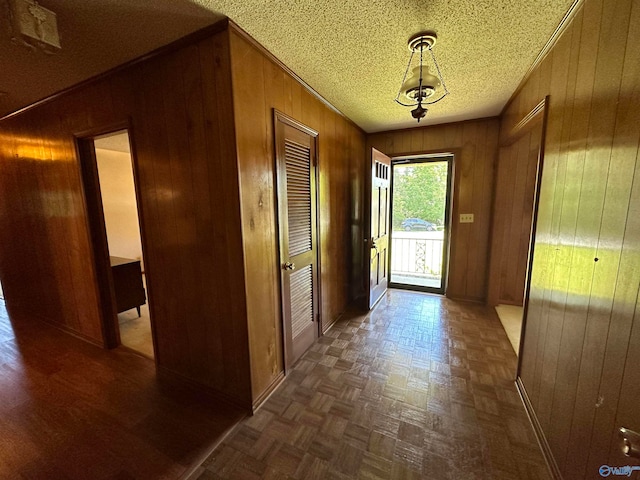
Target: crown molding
555,36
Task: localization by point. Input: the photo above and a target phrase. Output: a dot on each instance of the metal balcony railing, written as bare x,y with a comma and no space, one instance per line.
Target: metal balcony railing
417,253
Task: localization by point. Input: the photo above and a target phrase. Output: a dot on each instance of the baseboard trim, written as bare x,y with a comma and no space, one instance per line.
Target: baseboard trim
264,396
552,466
479,301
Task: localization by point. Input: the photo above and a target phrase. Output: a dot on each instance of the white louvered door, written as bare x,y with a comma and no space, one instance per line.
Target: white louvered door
295,157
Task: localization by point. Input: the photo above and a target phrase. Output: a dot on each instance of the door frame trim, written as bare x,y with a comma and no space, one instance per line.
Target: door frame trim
95,224
278,116
541,109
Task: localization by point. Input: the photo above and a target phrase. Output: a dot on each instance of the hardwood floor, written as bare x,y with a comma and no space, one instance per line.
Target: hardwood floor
69,410
422,387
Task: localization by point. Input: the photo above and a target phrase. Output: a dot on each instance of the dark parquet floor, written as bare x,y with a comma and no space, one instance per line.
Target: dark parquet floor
420,388
72,411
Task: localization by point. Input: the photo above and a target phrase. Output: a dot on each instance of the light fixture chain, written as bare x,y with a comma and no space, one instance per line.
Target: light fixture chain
406,72
444,85
420,80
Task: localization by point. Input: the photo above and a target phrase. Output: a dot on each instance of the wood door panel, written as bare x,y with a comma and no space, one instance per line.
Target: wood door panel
379,239
295,158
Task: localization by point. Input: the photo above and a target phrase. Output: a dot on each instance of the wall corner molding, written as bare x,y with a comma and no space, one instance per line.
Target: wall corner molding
552,466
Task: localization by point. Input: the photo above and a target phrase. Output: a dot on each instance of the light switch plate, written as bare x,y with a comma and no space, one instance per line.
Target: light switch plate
466,218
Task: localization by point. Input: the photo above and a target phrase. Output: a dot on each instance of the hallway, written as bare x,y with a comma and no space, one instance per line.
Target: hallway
421,387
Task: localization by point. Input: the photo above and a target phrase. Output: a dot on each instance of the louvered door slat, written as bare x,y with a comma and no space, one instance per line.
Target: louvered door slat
298,166
301,300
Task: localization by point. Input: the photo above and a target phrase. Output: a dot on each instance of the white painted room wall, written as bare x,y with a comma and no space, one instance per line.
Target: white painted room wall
119,203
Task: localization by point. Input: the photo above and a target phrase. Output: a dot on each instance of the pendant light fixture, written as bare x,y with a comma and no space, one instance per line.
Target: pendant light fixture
419,86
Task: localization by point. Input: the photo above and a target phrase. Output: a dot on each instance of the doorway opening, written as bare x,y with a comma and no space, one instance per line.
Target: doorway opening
420,204
110,188
518,176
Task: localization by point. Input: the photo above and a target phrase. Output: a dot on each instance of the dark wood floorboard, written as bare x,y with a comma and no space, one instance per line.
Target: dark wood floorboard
420,388
70,410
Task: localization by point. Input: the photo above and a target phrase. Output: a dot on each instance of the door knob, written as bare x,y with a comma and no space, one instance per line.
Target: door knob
630,442
289,266
373,243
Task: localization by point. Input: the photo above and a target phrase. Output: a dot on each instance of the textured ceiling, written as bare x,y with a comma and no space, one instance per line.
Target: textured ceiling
352,53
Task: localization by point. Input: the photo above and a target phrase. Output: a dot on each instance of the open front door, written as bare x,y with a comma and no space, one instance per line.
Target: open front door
296,166
379,235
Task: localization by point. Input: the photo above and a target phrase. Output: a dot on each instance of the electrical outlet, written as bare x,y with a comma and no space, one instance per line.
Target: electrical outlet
466,218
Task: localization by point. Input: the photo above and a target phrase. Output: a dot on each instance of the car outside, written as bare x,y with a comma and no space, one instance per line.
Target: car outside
417,224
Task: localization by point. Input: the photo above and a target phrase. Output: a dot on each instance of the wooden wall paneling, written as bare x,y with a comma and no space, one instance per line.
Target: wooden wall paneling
627,134
552,306
326,140
344,214
329,216
356,199
581,311
256,168
222,147
486,188
83,303
550,204
202,108
415,140
478,244
595,162
179,106
288,94
555,365
77,238
526,220
461,270
607,218
154,161
45,186
180,251
505,172
519,223
546,75
542,272
205,337
274,86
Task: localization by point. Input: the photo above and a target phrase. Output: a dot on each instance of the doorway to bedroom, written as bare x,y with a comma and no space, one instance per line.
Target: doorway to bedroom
120,207
112,200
